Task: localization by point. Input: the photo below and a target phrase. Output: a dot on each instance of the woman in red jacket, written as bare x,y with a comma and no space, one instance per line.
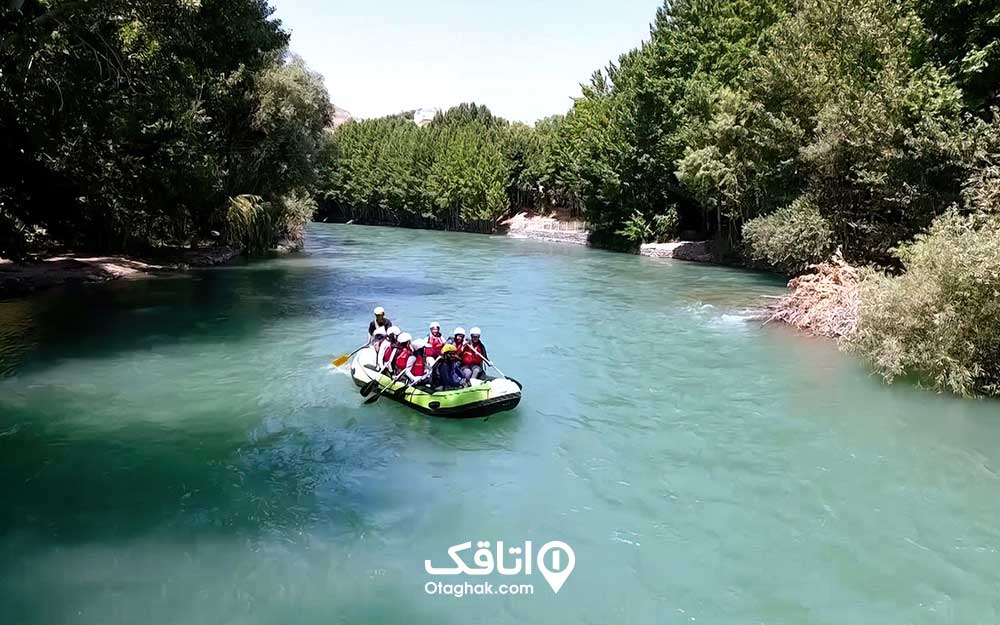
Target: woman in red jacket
435,342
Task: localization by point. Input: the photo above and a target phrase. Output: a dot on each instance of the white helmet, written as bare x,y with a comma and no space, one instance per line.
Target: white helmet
418,344
475,332
459,330
379,331
435,324
379,310
404,337
392,331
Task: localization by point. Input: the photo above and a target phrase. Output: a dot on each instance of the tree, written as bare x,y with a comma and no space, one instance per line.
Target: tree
127,124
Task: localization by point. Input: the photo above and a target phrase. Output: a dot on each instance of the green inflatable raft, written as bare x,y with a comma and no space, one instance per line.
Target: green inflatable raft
484,398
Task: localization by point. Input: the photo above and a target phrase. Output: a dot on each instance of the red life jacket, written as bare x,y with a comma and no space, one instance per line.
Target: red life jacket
387,356
469,356
434,345
418,369
402,355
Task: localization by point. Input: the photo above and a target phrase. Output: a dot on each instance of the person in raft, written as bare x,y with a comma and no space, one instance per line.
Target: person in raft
380,320
447,371
457,339
400,356
384,355
417,369
472,354
378,338
434,344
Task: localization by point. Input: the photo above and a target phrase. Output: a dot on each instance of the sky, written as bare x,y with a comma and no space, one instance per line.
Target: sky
525,60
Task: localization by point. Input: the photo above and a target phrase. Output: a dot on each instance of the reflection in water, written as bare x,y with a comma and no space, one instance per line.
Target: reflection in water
180,450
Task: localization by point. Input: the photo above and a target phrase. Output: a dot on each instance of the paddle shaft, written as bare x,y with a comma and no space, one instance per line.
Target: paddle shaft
485,359
374,398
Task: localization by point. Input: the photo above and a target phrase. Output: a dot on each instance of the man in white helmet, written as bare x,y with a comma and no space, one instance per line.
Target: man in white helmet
472,354
457,338
379,320
385,351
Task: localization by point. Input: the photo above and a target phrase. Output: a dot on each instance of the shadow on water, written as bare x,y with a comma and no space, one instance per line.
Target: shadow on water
90,510
79,484
226,304
82,494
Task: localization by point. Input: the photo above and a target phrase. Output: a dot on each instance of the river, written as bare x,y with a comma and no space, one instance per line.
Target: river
179,450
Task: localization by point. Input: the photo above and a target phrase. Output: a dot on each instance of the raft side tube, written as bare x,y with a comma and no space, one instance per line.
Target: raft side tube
491,396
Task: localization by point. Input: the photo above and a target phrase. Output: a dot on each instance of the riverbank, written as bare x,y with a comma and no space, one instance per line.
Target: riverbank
18,279
825,302
551,228
554,228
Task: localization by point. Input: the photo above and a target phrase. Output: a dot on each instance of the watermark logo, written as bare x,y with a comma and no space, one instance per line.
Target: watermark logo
555,560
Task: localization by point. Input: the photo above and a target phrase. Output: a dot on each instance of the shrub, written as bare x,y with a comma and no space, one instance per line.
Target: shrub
791,238
256,225
940,321
666,225
294,211
824,301
637,229
250,224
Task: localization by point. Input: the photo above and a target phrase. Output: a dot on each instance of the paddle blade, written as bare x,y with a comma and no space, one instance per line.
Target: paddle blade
373,398
341,360
367,388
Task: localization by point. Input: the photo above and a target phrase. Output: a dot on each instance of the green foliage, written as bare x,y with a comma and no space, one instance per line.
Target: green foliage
639,229
295,210
666,225
965,39
466,166
791,238
640,116
132,123
734,109
939,321
636,230
741,163
256,225
251,223
468,113
881,134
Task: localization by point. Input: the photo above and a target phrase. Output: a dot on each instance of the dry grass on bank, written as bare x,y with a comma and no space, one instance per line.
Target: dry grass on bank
824,302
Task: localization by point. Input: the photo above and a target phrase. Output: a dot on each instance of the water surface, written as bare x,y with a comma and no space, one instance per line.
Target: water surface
179,450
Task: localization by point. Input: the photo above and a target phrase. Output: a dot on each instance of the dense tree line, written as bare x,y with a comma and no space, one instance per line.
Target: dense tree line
466,167
128,124
822,123
783,128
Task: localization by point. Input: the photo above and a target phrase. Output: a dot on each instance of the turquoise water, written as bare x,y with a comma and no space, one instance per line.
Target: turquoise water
179,450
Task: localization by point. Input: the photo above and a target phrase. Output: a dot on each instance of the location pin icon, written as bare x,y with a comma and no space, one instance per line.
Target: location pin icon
563,561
